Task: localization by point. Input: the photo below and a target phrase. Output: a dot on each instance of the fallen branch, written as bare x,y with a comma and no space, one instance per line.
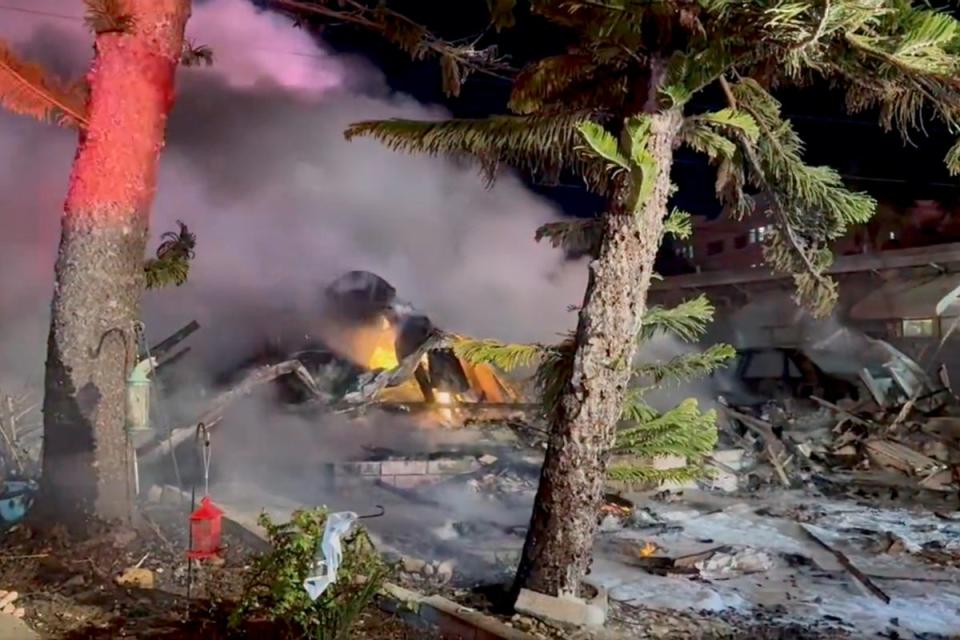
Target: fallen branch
214,413
844,561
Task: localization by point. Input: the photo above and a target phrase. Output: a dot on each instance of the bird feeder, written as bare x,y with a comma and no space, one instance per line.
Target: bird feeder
205,525
138,396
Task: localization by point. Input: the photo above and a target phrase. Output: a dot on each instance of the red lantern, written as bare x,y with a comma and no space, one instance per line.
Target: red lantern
205,531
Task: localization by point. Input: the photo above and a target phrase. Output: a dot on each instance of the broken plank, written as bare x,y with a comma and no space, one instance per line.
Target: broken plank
168,344
214,412
852,417
773,446
391,377
844,561
889,454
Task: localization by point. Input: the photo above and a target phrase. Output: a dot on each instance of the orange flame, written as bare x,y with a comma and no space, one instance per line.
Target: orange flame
383,358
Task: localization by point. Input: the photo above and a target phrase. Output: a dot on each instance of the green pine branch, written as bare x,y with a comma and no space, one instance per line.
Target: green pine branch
543,145
679,224
171,266
687,321
687,366
507,357
683,431
810,206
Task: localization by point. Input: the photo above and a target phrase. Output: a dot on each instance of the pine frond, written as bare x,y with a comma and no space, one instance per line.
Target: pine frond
687,366
27,89
810,205
545,81
171,266
196,55
575,235
643,166
714,134
452,75
501,13
687,321
952,159
732,119
603,144
901,61
679,224
635,409
540,145
107,16
459,59
683,431
704,139
503,356
554,373
642,474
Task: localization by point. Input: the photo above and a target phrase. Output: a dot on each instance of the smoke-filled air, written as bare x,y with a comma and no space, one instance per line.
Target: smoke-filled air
260,380
256,164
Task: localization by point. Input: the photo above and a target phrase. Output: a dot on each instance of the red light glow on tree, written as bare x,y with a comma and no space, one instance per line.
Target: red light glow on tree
205,524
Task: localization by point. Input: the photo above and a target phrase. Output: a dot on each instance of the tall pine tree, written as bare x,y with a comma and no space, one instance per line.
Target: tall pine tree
614,106
120,111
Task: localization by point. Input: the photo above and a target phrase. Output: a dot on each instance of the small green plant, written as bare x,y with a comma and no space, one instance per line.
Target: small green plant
275,589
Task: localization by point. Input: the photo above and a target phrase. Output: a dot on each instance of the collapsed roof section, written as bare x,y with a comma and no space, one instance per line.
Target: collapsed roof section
408,358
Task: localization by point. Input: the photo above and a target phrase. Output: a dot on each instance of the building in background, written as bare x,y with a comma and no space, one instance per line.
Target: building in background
899,280
726,243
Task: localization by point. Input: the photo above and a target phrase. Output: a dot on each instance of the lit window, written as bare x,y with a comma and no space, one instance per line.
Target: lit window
685,251
759,234
921,328
893,235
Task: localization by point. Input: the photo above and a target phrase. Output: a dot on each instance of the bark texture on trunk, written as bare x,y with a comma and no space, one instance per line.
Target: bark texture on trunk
87,458
558,547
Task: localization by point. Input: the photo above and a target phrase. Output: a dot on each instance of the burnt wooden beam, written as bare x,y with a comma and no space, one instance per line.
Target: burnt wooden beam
169,343
462,407
172,359
408,365
213,414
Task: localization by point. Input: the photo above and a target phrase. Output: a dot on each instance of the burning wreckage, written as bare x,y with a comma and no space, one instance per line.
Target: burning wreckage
830,500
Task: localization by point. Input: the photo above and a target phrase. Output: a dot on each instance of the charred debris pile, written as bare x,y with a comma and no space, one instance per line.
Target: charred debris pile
876,424
366,350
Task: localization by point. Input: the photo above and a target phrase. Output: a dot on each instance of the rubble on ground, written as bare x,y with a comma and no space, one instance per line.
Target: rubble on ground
902,434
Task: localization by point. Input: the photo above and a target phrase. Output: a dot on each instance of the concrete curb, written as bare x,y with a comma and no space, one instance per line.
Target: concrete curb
452,620
578,612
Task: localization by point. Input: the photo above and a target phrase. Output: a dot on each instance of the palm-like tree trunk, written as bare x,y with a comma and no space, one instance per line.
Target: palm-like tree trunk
87,457
559,542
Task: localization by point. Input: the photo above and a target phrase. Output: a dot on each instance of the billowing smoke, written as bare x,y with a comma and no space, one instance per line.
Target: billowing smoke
257,166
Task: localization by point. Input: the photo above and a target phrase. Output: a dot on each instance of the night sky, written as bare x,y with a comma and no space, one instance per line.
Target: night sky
869,158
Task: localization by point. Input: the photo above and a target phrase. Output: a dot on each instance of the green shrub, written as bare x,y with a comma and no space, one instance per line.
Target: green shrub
275,590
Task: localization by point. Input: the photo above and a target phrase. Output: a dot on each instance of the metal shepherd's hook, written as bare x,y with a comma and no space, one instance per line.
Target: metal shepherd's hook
373,515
